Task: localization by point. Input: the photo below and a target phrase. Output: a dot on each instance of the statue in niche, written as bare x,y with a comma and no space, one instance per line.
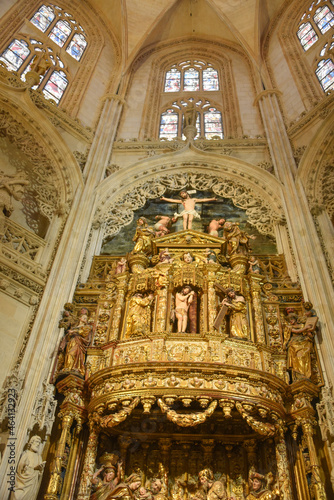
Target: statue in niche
190,116
162,226
189,211
237,240
28,472
186,310
138,321
299,341
111,478
74,345
215,226
209,488
143,237
11,186
258,487
235,306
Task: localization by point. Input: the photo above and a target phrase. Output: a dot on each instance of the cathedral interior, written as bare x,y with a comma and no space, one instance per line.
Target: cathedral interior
167,250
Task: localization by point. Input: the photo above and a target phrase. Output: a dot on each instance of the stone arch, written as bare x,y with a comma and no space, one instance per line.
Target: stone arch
316,169
250,188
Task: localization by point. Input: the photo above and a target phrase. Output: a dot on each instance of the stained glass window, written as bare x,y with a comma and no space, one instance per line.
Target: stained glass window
43,18
213,126
210,79
15,54
191,80
55,86
169,124
173,80
77,46
325,74
324,19
307,35
60,32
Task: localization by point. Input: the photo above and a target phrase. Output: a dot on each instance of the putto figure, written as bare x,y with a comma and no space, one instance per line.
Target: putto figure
189,211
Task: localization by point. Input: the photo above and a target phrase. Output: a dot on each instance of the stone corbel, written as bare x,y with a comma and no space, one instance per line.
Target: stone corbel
187,419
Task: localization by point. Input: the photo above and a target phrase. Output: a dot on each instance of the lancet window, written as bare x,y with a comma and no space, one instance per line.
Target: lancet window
315,22
191,76
25,55
325,66
208,122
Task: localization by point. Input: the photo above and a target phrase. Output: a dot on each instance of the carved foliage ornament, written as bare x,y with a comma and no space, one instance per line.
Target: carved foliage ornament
44,180
120,211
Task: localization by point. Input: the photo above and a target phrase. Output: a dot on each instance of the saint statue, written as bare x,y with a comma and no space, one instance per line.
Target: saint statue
143,237
76,342
298,340
102,487
125,491
215,226
237,240
189,211
29,471
138,321
185,309
235,306
209,488
258,488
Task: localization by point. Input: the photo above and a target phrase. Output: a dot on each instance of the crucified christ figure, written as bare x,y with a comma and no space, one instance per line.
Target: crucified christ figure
189,211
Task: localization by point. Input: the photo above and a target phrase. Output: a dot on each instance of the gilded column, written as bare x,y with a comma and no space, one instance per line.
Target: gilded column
65,495
115,325
208,446
212,309
250,446
257,307
55,479
316,487
89,463
283,471
162,296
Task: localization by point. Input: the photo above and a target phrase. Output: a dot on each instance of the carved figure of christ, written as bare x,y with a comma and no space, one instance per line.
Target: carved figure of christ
189,211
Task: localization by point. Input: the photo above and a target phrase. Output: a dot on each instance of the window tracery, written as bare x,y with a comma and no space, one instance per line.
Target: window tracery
61,28
315,22
208,123
325,66
191,76
28,54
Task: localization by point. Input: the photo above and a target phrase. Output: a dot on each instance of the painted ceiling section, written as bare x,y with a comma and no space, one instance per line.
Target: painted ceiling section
140,23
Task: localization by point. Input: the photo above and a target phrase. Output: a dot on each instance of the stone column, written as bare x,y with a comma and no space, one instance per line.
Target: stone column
56,466
89,463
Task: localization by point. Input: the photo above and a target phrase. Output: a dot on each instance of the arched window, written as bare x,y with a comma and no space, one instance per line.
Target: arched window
29,54
209,120
61,28
316,21
325,74
191,76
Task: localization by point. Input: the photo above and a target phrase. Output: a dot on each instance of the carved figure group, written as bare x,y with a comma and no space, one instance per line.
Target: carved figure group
189,212
110,479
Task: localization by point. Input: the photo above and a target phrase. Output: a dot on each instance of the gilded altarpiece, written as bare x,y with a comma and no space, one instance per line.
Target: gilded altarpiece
187,370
